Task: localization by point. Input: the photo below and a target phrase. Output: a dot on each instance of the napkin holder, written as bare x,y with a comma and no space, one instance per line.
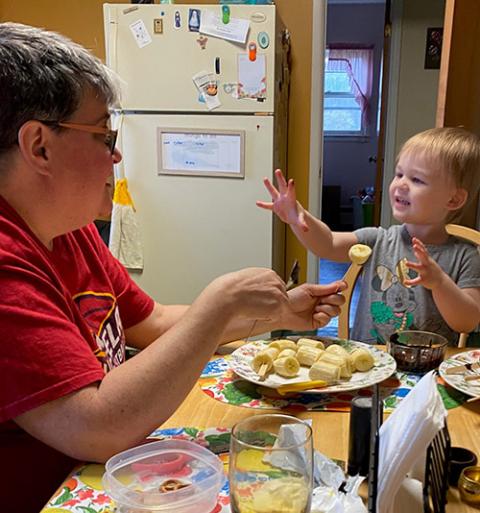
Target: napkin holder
435,485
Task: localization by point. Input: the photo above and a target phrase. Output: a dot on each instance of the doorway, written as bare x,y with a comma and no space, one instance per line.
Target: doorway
353,75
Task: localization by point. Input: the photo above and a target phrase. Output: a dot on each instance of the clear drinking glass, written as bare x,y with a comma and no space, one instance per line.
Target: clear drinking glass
271,465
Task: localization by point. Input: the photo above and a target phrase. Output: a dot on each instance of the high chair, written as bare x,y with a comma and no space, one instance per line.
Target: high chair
353,272
473,236
351,276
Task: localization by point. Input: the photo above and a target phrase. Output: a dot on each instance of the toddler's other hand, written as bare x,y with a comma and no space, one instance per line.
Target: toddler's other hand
430,274
284,201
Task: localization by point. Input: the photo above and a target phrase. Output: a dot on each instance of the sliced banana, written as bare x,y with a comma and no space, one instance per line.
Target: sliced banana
285,495
318,344
307,355
321,370
359,253
287,367
362,359
402,271
262,362
284,343
339,361
286,352
337,349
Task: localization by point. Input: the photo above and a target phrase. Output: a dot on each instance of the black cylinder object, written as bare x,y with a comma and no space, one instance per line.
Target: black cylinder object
359,436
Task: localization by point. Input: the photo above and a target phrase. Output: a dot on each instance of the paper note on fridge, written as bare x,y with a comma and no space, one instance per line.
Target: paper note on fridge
235,30
252,80
140,33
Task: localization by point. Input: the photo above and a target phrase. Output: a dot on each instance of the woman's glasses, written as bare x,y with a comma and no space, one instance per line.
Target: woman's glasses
110,135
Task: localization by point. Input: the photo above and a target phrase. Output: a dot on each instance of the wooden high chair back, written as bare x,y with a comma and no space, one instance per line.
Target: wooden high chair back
473,236
351,276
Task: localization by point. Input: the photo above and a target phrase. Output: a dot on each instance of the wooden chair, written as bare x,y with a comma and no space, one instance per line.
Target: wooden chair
351,277
353,272
473,236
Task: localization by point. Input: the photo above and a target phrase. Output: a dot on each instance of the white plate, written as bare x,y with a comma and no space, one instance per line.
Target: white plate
384,367
457,380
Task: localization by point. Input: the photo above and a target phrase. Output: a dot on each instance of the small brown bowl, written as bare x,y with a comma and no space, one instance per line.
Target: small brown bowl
417,351
460,458
469,485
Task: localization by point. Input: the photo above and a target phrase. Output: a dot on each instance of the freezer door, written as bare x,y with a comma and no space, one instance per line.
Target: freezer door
157,66
195,228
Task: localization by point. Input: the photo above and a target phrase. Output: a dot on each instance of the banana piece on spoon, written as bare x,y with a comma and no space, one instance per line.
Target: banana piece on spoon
359,253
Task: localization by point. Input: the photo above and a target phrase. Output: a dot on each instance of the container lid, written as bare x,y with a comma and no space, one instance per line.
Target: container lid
167,475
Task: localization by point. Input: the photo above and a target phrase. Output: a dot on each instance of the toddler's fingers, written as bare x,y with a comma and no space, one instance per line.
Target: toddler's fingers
264,204
271,189
281,182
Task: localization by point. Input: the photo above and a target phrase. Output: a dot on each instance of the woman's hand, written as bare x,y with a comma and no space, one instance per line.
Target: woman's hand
313,306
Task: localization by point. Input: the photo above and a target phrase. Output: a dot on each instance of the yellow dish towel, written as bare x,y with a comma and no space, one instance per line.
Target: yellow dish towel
125,237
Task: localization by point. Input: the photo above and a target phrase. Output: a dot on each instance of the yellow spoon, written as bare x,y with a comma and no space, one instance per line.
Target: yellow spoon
298,387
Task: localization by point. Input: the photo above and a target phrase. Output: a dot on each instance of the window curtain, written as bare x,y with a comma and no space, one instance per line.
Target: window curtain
358,63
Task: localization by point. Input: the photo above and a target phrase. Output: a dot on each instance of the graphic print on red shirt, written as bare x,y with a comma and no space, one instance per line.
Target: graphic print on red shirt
101,314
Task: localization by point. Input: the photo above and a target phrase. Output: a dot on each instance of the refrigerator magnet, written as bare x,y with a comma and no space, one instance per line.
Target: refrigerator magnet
202,41
177,20
193,20
140,33
263,40
252,51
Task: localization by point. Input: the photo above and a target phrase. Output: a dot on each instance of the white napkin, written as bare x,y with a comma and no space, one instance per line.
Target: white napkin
293,460
405,436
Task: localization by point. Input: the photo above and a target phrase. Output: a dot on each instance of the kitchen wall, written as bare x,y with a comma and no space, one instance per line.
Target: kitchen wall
418,87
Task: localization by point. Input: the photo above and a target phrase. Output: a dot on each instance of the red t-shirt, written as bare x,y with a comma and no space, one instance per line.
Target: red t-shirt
62,316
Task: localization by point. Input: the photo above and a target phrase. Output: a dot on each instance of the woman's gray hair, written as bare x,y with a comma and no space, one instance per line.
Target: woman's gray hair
44,75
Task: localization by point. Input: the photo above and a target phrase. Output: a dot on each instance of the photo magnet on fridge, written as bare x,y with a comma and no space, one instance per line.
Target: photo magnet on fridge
194,20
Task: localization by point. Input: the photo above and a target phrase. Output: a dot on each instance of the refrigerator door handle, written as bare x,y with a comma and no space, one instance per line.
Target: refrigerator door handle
217,65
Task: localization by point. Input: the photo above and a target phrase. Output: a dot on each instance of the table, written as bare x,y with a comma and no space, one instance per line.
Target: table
330,429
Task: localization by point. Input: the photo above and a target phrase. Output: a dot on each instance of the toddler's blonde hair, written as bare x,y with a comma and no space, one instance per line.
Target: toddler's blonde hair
455,151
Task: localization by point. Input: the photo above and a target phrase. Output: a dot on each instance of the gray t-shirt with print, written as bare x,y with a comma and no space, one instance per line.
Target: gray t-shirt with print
385,305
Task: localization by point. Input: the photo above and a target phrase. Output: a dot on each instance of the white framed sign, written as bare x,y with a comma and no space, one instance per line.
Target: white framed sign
201,152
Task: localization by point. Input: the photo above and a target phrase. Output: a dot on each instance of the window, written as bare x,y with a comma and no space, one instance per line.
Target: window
348,78
341,112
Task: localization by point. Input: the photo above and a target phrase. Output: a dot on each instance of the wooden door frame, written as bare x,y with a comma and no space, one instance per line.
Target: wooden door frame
396,14
315,178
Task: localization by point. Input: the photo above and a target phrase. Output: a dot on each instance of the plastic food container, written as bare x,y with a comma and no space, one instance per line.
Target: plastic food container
168,476
417,351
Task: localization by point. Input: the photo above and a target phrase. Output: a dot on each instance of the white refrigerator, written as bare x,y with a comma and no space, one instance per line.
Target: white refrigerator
204,103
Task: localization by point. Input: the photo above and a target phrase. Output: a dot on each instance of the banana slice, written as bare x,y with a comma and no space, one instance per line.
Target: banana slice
307,355
284,343
275,345
339,361
324,371
359,253
363,360
318,344
262,362
286,352
285,495
402,271
287,367
337,349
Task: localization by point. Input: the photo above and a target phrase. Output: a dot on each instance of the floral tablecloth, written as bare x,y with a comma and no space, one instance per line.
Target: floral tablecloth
82,491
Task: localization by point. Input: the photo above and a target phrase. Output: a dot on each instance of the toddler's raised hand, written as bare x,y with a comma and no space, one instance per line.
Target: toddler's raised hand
284,201
430,274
